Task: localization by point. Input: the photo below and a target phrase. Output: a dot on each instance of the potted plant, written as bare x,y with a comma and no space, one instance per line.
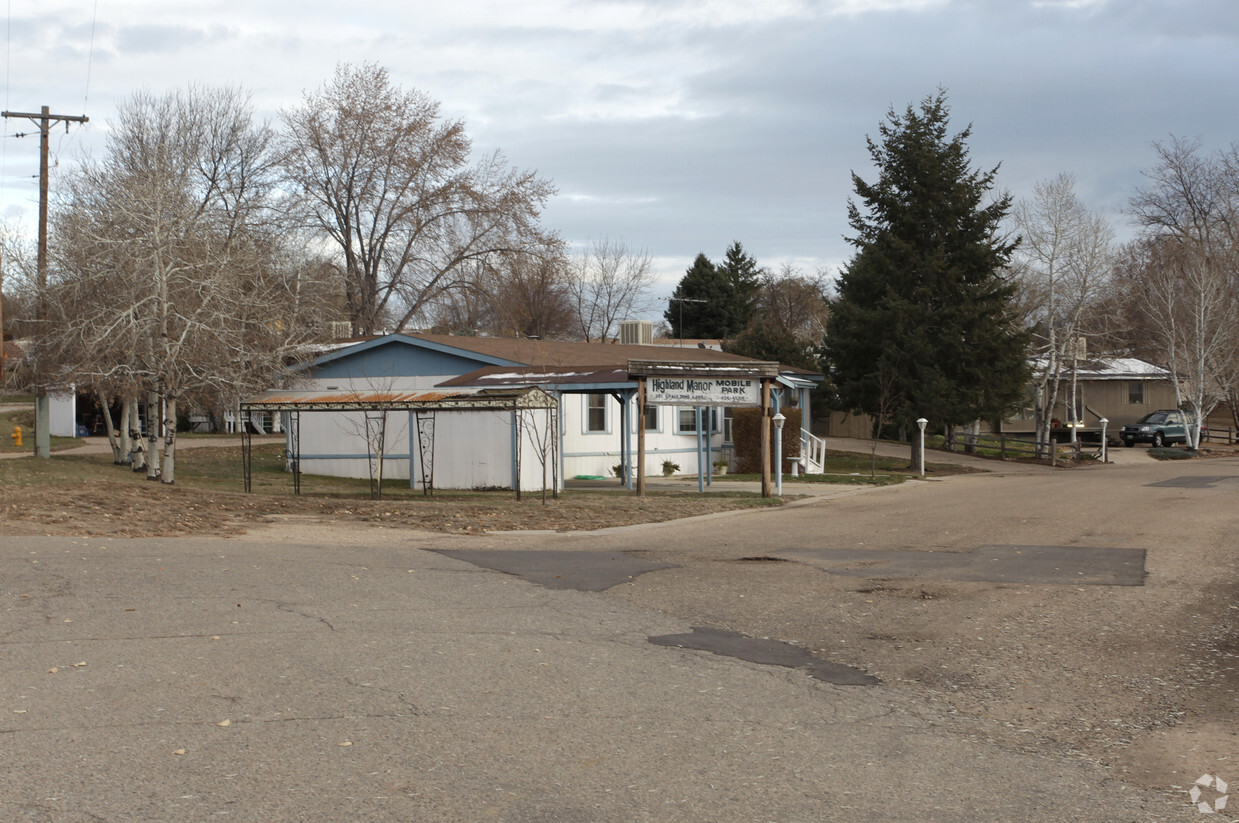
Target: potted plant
720,466
670,468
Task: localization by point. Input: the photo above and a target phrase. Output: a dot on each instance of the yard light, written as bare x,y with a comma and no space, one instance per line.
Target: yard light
778,420
922,422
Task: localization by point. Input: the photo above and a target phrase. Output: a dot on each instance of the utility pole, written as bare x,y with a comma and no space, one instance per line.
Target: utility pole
42,408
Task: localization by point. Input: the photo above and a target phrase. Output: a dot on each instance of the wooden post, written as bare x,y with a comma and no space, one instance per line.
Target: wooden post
1002,446
641,437
1053,452
765,438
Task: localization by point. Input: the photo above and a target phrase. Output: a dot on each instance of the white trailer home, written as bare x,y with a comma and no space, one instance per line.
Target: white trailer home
595,415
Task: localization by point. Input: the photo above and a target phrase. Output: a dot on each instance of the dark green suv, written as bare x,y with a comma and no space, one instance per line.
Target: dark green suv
1159,428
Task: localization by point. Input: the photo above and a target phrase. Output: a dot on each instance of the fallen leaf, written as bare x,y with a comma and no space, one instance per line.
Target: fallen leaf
79,665
53,670
224,723
346,743
179,751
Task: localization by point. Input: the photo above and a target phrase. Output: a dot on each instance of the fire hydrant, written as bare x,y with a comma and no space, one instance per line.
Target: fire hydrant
17,436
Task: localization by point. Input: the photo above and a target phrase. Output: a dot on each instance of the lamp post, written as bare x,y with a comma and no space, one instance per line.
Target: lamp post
778,420
921,422
1104,421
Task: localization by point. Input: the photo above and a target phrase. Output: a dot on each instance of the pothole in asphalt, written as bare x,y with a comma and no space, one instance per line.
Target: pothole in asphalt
766,653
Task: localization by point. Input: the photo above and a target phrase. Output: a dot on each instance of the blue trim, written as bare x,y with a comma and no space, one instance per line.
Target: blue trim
614,452
359,348
361,456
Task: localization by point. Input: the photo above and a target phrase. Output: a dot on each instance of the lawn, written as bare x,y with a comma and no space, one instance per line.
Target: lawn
854,468
87,495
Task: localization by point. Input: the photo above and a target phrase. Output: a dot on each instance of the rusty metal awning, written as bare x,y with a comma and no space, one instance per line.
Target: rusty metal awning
484,399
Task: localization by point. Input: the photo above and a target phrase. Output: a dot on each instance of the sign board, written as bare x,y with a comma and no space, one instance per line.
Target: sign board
702,391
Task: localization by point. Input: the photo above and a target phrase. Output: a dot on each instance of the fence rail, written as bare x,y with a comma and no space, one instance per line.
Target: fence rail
1213,435
1005,447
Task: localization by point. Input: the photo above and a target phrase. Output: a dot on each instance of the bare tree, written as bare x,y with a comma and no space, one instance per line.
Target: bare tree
387,179
1189,296
608,281
170,281
794,301
1063,268
509,295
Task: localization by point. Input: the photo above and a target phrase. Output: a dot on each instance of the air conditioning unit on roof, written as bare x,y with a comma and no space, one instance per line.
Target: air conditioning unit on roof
636,332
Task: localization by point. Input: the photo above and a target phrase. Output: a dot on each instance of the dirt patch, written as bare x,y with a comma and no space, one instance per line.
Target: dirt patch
137,509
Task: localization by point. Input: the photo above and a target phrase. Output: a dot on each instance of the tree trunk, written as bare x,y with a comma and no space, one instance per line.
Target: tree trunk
152,435
118,454
137,456
169,443
124,433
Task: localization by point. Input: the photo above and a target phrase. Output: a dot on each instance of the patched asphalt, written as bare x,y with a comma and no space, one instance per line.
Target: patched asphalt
765,652
1069,565
583,571
1192,482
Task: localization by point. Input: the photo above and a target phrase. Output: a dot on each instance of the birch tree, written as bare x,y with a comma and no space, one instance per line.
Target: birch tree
384,176
170,282
1188,214
1063,266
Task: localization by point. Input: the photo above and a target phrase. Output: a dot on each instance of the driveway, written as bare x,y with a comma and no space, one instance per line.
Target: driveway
365,675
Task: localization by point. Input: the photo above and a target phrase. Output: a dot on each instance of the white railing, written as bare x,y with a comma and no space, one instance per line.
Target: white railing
812,453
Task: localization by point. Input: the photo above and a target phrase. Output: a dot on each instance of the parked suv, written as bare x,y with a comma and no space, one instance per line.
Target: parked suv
1159,428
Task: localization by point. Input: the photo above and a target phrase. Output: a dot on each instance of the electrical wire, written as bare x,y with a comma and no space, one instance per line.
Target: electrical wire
90,55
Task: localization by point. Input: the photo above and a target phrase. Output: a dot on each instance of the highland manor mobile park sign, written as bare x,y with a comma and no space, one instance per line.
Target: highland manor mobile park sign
703,391
697,384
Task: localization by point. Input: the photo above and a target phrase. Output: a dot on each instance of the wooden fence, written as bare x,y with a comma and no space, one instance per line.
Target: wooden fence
1005,447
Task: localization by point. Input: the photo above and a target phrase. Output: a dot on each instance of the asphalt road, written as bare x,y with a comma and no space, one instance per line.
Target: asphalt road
347,677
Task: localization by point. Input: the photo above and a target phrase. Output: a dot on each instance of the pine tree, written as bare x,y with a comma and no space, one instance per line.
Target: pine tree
744,275
923,324
704,300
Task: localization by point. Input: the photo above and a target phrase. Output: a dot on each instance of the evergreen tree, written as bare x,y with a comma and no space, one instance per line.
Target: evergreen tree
924,324
744,275
705,300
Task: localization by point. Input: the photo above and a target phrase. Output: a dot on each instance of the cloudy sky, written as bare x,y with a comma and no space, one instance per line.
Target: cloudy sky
676,125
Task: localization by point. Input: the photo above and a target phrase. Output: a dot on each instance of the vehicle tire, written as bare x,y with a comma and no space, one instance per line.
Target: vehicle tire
1158,440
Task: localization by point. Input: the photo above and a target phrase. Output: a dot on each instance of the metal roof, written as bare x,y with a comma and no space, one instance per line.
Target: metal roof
485,399
590,377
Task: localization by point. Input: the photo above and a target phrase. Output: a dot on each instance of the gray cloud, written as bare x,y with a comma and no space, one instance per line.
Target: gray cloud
681,125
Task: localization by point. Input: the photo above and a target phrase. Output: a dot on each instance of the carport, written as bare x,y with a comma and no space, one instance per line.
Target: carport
523,403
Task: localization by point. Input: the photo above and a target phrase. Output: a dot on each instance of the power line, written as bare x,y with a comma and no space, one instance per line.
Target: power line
90,57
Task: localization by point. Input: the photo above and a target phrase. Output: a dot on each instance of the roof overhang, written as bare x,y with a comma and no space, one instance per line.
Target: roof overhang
762,369
463,399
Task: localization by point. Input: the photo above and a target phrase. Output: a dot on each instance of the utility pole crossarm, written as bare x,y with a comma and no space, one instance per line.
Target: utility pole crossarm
49,118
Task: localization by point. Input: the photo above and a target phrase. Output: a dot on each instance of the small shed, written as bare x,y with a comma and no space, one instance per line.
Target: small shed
499,437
